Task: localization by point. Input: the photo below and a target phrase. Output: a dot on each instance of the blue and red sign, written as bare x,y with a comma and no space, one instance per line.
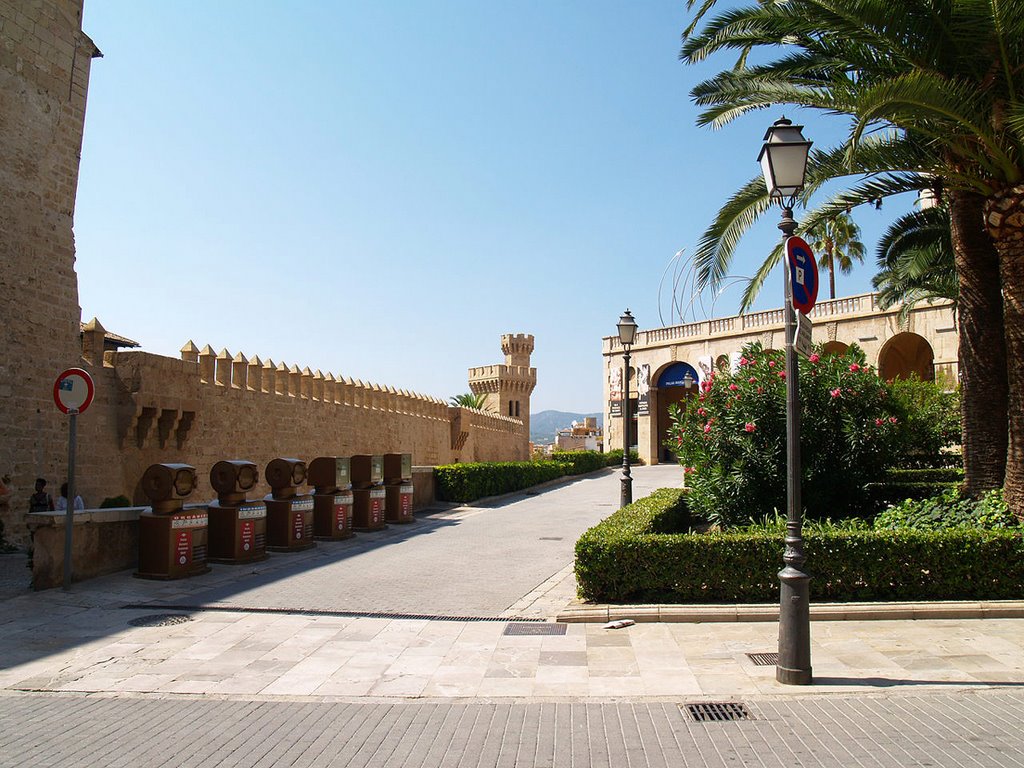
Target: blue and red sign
803,273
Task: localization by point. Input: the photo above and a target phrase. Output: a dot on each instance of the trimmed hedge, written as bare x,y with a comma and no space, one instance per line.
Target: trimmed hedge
929,475
580,462
625,560
471,481
613,458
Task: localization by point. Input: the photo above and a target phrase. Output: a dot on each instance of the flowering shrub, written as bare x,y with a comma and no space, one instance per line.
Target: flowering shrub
929,422
731,438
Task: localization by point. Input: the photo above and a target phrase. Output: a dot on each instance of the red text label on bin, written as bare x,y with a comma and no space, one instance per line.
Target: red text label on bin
248,535
183,547
340,515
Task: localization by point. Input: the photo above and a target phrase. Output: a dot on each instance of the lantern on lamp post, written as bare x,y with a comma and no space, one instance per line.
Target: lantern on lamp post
783,161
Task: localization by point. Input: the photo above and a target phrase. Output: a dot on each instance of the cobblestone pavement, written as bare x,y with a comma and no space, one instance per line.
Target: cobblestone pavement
975,730
316,658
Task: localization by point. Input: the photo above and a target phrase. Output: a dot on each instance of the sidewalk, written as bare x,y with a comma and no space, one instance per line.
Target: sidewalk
289,644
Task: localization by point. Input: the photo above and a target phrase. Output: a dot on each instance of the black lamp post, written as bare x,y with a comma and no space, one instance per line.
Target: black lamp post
783,161
627,334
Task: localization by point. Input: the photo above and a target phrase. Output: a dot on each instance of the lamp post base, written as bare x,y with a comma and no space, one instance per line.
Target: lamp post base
626,495
794,667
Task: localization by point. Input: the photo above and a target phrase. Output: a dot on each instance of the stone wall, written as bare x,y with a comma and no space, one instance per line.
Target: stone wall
44,73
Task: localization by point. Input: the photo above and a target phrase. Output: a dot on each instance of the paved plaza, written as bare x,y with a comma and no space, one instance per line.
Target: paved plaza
401,647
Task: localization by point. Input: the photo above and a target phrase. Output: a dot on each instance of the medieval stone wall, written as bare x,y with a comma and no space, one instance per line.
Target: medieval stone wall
44,73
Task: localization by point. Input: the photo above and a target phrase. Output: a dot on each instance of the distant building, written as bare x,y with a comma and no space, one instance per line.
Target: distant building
668,364
585,436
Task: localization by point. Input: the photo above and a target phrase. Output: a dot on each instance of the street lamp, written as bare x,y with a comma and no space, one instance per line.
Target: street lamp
783,161
627,334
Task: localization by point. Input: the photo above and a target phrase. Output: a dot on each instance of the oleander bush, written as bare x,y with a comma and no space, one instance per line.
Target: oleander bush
731,438
630,558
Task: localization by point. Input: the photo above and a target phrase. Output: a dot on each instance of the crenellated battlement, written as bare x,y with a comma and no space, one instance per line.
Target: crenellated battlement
517,348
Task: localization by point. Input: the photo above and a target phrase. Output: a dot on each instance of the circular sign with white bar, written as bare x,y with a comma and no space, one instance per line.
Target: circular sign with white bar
803,273
73,390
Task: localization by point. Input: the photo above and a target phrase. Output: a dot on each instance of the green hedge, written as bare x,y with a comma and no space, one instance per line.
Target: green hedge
929,475
613,458
625,560
580,462
881,495
467,482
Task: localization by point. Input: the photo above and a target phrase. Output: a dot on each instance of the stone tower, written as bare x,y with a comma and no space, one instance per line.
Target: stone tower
44,76
508,387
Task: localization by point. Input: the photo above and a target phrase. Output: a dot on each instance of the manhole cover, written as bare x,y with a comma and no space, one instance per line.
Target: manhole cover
524,628
160,620
716,712
764,659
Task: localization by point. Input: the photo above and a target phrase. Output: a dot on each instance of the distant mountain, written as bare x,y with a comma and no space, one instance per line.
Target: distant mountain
545,424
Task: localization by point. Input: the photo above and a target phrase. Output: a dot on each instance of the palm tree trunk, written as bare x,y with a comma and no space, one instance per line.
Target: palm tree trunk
982,354
832,281
1004,218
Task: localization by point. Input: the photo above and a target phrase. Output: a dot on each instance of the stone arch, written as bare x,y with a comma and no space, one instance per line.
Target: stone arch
906,354
834,348
668,386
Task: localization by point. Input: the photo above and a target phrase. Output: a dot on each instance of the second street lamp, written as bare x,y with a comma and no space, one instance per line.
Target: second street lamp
627,334
783,161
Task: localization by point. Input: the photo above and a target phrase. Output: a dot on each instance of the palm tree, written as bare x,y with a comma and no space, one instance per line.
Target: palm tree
838,241
943,75
915,260
469,400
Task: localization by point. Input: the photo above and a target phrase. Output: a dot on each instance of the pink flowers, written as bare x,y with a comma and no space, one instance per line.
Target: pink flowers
771,363
814,358
689,470
750,426
893,419
707,427
744,361
760,390
752,379
701,412
733,387
879,422
782,374
854,367
836,392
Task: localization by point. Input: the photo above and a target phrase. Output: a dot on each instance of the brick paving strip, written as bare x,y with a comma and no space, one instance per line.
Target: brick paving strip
959,729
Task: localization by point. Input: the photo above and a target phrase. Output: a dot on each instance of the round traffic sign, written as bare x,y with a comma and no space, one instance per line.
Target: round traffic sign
803,273
73,390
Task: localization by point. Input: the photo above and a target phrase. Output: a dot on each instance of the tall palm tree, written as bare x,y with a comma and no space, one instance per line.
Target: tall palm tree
915,260
944,75
838,241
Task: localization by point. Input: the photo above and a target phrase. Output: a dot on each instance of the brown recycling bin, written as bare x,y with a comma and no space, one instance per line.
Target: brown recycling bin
238,527
398,487
289,516
332,498
368,496
172,541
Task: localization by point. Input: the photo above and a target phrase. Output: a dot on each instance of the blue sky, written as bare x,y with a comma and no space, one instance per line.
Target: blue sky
381,189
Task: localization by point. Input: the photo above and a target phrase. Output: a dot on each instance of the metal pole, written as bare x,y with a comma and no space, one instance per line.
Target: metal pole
626,497
794,667
69,513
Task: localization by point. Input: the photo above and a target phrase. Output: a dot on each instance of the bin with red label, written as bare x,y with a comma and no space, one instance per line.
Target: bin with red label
289,515
332,498
398,487
237,525
172,539
368,495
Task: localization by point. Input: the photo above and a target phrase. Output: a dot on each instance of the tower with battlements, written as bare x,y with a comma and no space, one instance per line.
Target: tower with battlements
508,387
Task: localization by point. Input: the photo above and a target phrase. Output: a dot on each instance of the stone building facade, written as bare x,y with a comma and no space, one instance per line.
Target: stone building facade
668,364
201,408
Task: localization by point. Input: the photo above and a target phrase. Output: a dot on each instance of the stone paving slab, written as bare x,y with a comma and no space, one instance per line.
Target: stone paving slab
979,730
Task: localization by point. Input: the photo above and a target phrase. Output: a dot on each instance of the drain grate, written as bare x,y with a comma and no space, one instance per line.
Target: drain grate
160,620
524,628
718,712
764,659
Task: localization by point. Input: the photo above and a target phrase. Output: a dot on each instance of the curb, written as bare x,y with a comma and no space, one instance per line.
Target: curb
698,614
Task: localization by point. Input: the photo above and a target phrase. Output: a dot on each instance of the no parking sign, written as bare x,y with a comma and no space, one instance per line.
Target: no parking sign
803,273
73,390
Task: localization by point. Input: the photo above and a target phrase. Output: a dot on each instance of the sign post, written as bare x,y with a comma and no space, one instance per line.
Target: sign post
72,392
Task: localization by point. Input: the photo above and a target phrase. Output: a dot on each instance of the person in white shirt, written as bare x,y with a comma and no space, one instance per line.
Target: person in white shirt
61,505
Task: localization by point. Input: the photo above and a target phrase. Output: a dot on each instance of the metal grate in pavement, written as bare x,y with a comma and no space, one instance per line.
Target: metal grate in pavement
319,612
160,620
525,628
717,712
764,659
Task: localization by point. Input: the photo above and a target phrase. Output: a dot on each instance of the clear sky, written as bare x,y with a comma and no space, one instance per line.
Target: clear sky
381,189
